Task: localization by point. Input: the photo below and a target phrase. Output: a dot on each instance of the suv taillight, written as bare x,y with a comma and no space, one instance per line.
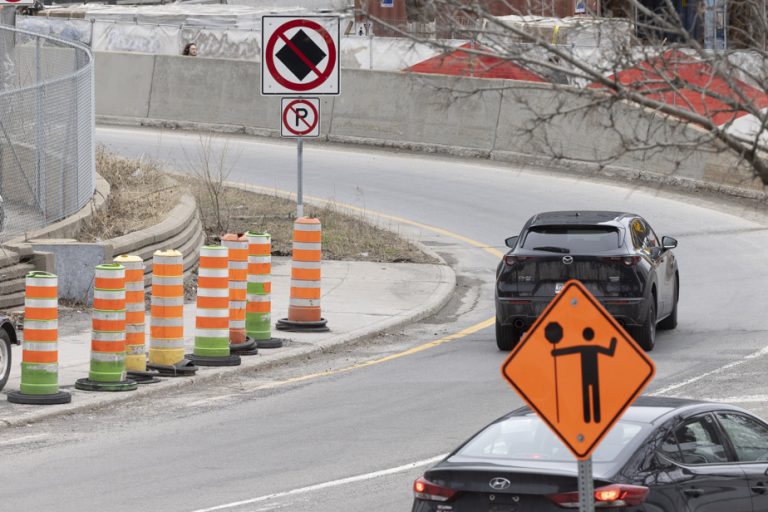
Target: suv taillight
614,496
628,261
511,260
426,490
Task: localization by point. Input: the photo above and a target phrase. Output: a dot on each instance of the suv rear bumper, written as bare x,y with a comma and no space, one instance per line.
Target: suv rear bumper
521,313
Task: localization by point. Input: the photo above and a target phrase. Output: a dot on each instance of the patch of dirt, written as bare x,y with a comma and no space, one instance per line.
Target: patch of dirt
345,237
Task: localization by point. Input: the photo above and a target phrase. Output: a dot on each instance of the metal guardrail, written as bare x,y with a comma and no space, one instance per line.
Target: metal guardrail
47,107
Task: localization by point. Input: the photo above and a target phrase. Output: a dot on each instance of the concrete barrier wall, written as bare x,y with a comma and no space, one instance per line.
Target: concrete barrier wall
124,83
465,116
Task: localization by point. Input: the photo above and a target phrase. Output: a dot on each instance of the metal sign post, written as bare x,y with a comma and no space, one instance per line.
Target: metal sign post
300,177
586,486
300,55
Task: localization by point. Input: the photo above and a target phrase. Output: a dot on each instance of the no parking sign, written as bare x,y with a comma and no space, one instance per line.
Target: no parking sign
300,117
300,55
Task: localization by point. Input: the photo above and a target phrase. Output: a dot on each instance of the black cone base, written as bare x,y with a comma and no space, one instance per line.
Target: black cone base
144,377
230,360
248,348
184,368
270,343
288,325
93,385
62,397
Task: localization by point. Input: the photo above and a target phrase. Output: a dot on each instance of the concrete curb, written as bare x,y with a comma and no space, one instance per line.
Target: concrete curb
266,359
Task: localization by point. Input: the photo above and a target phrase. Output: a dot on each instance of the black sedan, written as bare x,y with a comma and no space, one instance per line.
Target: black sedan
617,256
663,455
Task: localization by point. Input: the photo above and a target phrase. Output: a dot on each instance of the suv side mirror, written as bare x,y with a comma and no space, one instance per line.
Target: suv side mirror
511,241
667,243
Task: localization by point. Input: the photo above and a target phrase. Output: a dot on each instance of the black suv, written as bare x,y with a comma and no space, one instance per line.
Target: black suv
616,255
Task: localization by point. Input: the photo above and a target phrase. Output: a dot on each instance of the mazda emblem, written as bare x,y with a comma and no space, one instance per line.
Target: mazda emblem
499,483
567,260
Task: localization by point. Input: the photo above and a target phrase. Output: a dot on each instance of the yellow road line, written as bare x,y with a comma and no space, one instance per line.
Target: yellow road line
430,344
420,348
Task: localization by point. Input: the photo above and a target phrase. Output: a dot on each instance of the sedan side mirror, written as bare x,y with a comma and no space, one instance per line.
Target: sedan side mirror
668,243
511,241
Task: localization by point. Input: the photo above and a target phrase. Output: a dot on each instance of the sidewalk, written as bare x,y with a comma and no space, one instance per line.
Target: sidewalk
359,299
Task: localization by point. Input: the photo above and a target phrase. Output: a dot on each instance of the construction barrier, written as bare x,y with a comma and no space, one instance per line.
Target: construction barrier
258,316
108,336
166,325
40,356
304,306
135,317
237,245
212,313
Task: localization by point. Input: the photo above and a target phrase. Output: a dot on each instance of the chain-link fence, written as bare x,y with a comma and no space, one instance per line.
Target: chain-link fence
46,130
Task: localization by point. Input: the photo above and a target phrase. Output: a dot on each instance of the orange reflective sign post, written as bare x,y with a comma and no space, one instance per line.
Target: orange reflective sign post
578,369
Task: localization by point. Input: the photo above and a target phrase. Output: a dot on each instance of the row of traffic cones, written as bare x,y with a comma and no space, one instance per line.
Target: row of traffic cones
233,314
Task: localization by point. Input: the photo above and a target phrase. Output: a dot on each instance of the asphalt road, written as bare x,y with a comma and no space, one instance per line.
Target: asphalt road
350,441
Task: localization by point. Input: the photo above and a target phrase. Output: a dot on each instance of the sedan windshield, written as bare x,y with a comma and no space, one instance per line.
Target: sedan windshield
528,438
573,239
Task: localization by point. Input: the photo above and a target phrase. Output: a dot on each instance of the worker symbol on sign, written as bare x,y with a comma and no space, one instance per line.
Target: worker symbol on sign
300,55
590,378
578,368
300,117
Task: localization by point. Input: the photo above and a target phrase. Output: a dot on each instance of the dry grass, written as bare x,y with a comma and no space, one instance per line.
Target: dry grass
345,237
141,196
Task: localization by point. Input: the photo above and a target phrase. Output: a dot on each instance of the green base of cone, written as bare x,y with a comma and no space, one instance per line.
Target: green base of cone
62,397
230,360
92,385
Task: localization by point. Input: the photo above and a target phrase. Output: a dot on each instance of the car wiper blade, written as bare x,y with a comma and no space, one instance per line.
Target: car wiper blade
549,248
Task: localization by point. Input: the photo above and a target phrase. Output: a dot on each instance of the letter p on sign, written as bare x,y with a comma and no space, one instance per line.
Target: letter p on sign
300,117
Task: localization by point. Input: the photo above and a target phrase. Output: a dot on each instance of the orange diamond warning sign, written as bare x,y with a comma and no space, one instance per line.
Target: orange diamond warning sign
578,369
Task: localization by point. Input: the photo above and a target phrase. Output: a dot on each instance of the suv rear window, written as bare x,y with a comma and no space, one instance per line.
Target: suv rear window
576,239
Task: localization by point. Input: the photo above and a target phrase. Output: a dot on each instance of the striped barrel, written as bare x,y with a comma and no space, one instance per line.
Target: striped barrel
259,287
39,359
166,327
135,349
108,338
212,320
238,279
304,304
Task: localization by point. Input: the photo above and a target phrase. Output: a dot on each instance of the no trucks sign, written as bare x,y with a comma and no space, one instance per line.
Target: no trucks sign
300,55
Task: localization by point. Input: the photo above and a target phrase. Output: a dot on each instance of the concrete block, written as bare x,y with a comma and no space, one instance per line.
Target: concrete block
218,91
74,264
123,82
420,109
44,261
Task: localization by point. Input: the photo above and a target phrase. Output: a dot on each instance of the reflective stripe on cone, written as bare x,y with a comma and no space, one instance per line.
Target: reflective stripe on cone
108,325
39,358
258,308
212,317
166,324
135,318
